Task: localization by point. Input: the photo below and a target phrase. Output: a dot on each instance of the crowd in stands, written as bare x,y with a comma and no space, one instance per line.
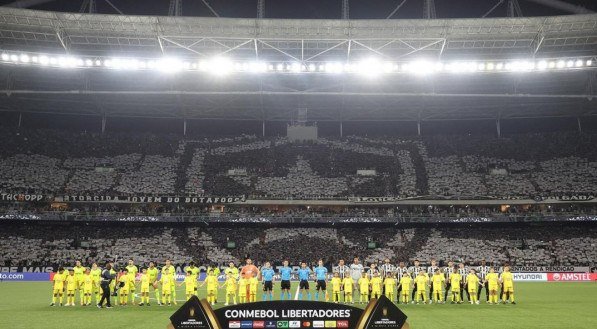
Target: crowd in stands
303,214
562,246
456,166
537,245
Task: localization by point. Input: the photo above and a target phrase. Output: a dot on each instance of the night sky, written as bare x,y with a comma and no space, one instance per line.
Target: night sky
319,9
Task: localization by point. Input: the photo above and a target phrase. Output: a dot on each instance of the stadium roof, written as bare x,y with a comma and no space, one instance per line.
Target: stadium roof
277,97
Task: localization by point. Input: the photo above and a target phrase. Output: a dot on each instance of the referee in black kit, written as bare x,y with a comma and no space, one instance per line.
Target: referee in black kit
105,284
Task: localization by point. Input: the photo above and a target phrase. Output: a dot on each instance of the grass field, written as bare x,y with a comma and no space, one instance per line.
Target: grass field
539,305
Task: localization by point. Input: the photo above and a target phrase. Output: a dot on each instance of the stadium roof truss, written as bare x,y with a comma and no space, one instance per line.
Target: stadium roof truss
269,97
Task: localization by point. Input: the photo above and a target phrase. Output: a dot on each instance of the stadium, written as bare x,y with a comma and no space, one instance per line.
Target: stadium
181,148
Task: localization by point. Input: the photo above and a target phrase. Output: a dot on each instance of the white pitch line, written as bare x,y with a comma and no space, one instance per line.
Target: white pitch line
297,291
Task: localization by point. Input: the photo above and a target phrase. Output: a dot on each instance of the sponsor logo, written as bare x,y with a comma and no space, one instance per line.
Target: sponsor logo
294,324
342,324
572,277
258,324
318,324
330,324
233,324
246,324
26,276
282,324
530,276
306,324
270,324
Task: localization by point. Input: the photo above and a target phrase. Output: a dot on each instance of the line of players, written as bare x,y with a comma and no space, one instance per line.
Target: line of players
86,281
434,284
401,284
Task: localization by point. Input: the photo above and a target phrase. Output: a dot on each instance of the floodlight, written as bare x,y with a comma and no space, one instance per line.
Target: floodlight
334,67
542,65
295,67
388,67
462,67
420,68
257,67
5,57
220,66
67,62
24,58
370,67
171,65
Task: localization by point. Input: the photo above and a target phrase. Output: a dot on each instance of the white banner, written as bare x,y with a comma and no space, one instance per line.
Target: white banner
548,269
536,277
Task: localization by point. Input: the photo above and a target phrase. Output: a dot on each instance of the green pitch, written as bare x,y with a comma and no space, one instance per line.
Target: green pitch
539,305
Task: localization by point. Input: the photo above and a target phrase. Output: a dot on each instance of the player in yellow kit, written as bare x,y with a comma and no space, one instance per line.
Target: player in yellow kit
390,285
88,284
215,271
132,273
194,272
166,281
58,286
507,281
253,283
492,281
145,282
242,290
190,282
79,271
124,284
152,273
336,284
96,273
231,287
472,284
172,273
71,287
376,283
405,284
438,282
455,279
232,269
364,285
348,284
212,287
421,282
